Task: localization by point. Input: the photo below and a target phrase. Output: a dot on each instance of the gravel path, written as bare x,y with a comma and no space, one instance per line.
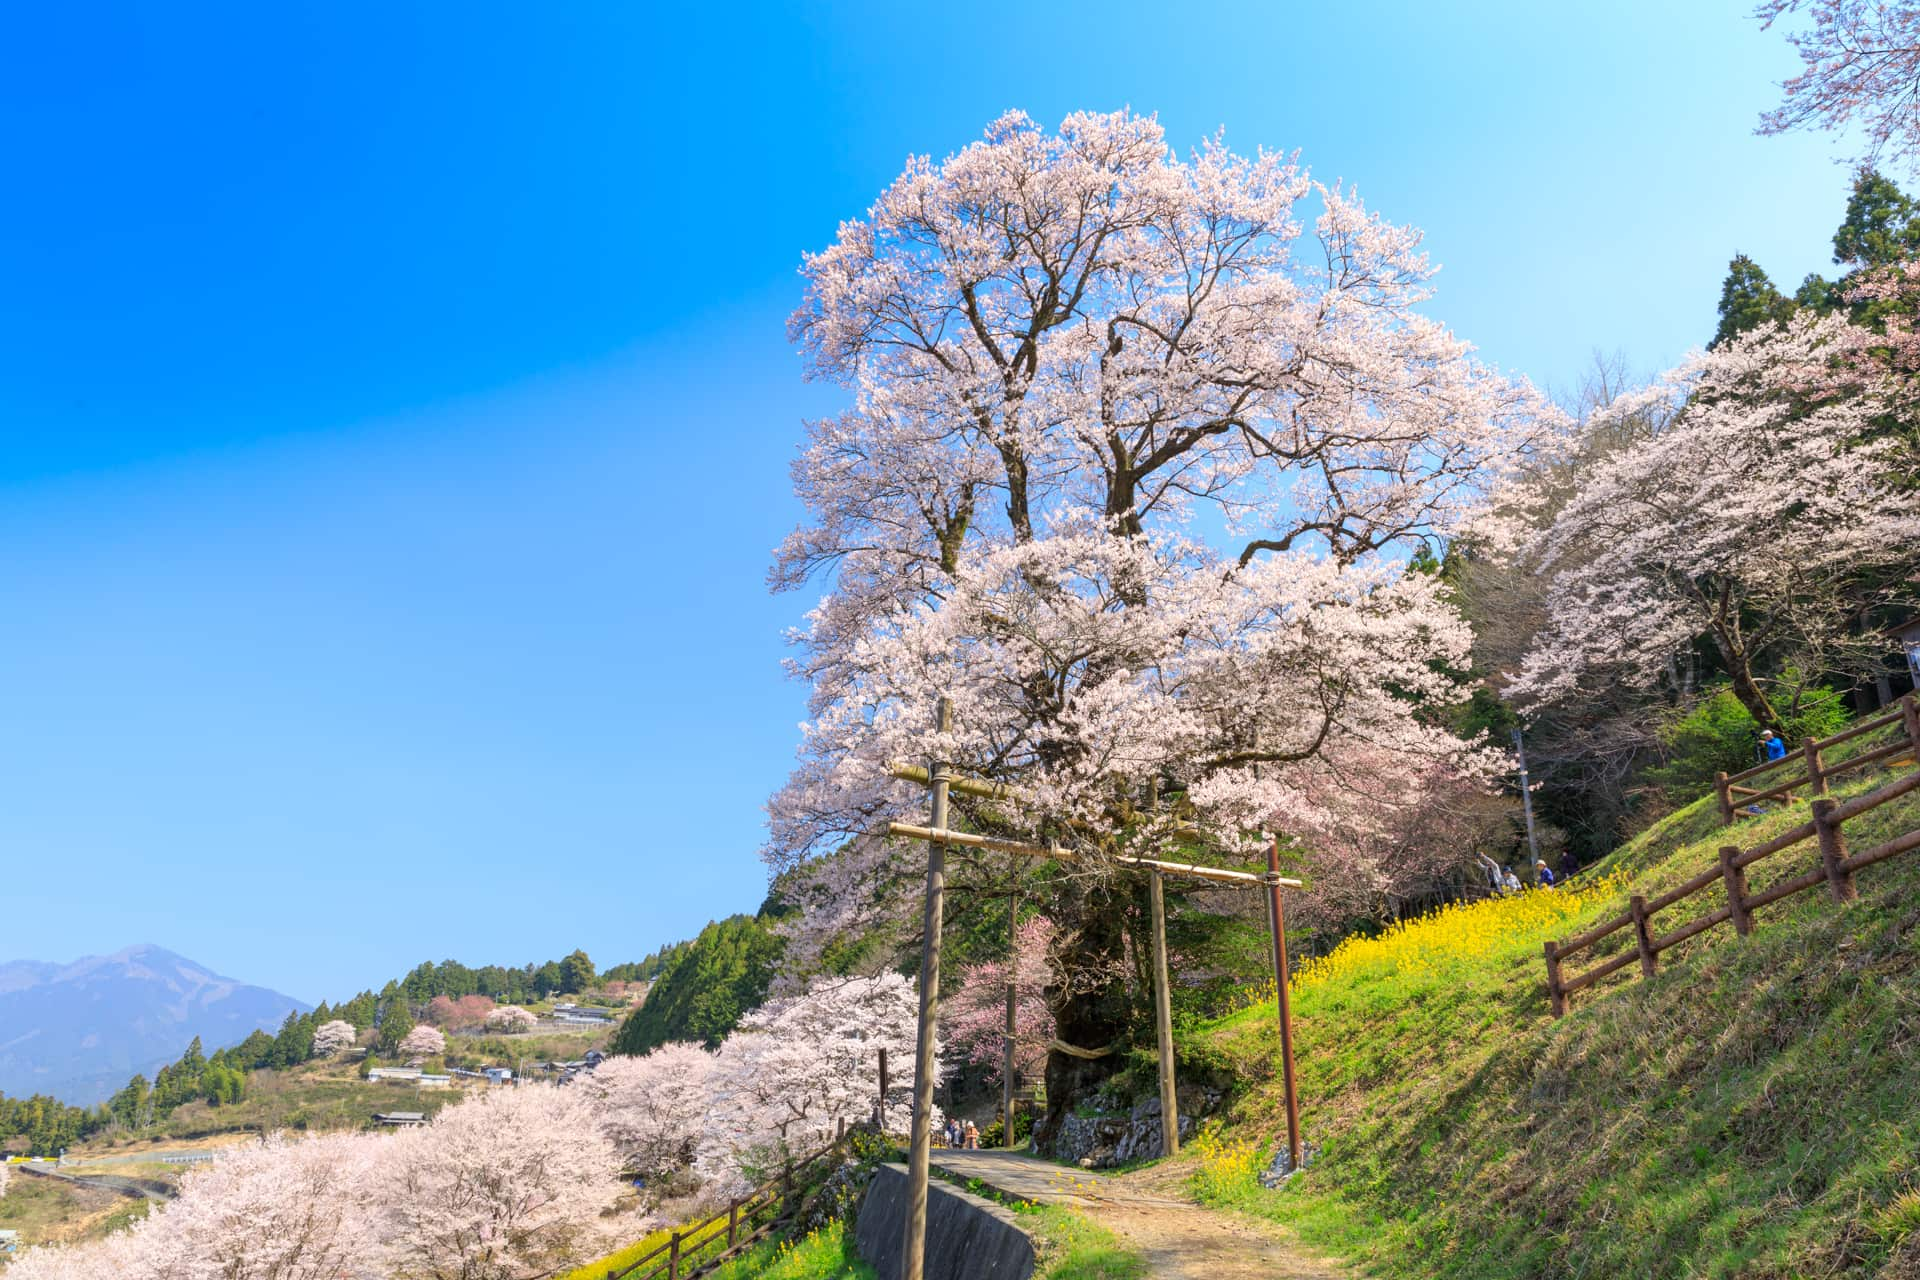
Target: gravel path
1178,1238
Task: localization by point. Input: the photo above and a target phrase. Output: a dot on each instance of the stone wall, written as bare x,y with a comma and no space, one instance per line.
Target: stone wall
967,1238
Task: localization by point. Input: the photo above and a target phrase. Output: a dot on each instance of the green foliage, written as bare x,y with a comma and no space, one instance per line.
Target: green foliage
394,1026
1720,735
576,973
1748,299
724,974
1881,224
1746,1112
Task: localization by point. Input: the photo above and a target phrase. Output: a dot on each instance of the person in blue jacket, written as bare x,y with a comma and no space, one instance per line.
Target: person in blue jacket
1772,745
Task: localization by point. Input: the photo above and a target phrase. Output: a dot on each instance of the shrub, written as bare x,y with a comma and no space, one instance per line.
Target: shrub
1718,735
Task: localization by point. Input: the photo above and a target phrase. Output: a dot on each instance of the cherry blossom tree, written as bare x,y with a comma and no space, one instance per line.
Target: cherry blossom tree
1067,353
973,1017
423,1042
654,1107
467,1011
511,1019
330,1038
1751,518
508,1185
796,1068
1860,61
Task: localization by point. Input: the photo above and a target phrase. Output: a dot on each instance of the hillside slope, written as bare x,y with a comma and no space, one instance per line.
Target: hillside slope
1750,1111
79,1031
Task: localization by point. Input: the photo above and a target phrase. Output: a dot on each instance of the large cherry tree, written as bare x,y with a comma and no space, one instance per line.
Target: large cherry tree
1771,507
1136,445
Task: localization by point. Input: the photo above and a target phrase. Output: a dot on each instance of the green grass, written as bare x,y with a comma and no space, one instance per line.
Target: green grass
1071,1248
826,1254
1753,1111
48,1211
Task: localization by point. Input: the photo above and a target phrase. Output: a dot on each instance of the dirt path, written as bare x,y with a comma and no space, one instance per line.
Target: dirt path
1150,1211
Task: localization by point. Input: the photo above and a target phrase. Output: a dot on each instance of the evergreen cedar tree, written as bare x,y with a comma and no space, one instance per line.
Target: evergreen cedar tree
1067,350
709,986
529,1182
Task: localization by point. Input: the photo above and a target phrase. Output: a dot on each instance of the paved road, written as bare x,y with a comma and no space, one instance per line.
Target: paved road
1179,1239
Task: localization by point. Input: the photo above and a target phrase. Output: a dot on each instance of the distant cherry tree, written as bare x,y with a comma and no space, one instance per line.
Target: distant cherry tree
799,1066
655,1107
330,1038
423,1042
452,1015
512,1019
509,1185
973,1017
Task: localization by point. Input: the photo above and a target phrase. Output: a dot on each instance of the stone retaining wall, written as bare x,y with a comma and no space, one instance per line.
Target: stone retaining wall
968,1238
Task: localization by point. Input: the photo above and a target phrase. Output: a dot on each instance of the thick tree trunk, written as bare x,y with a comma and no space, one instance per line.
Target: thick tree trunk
1739,664
1093,1007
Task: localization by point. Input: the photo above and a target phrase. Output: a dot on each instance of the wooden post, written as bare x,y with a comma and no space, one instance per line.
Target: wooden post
733,1224
673,1257
1277,925
1735,878
1815,773
1833,852
1012,1028
880,1103
1642,937
1556,994
913,1254
1163,1018
1726,798
1910,714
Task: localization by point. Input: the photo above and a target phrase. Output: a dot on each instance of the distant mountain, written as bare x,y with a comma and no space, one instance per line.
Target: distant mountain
80,1031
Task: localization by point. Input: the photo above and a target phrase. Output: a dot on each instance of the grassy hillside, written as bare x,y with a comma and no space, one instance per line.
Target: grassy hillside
1754,1110
49,1211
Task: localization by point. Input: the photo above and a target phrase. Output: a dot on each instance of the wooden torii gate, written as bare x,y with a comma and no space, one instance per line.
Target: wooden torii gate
941,783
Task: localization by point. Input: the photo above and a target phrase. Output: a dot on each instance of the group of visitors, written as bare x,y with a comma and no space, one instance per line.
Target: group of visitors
962,1135
1503,881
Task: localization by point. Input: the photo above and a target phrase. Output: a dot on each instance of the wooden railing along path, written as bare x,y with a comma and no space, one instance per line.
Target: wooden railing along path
1810,759
1835,867
688,1252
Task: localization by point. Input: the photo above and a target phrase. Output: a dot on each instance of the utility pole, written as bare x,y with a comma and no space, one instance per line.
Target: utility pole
920,1141
1526,805
1277,924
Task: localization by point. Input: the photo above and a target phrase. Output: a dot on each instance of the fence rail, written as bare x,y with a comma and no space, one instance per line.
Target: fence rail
1835,867
688,1252
1810,760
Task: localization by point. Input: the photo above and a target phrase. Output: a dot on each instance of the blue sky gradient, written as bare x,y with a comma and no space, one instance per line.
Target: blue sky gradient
395,408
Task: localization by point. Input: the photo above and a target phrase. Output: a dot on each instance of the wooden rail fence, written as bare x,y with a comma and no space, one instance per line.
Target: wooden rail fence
1735,795
689,1251
1835,867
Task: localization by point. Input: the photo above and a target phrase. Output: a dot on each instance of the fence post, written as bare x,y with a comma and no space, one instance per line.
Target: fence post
1910,713
1556,994
1815,774
1833,852
733,1224
1726,798
1642,936
673,1257
1735,877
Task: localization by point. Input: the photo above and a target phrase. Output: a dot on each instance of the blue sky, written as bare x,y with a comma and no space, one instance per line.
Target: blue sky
395,409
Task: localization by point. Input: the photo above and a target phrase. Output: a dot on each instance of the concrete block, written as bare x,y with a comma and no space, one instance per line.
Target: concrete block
968,1238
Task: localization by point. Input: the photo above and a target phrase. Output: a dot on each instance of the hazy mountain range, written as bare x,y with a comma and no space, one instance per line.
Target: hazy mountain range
80,1031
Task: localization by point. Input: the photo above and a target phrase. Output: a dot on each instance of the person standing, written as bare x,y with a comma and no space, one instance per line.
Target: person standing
1543,873
973,1136
1772,745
